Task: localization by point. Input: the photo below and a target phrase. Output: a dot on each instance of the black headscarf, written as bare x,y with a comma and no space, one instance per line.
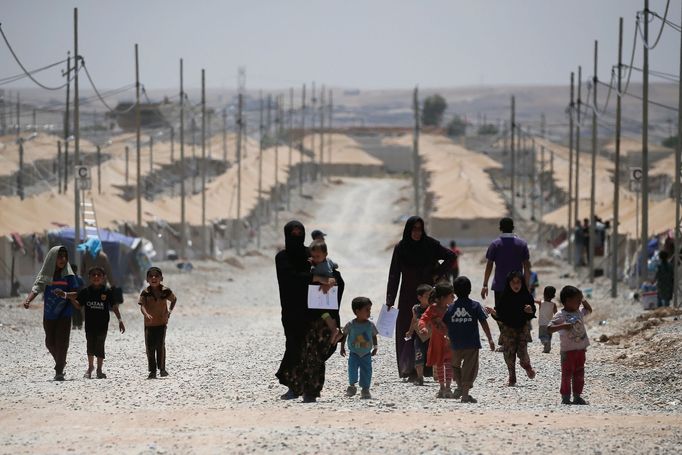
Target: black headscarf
510,307
416,252
293,244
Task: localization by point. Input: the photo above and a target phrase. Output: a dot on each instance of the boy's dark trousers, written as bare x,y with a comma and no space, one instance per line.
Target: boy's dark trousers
155,342
57,334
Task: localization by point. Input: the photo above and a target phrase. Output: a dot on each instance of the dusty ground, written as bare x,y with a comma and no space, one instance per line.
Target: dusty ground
225,341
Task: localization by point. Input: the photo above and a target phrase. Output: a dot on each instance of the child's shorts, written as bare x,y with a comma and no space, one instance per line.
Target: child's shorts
420,350
543,334
96,339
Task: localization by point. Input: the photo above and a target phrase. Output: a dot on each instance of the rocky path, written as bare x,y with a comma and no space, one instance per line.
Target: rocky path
224,345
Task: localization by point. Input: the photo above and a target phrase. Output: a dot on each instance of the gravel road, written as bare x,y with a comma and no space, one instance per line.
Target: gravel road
225,341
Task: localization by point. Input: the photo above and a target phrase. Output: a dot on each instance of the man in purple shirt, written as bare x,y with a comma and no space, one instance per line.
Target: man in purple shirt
508,253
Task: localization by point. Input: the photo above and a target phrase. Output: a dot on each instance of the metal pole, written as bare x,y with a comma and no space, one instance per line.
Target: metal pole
76,134
569,225
204,242
513,155
183,221
259,211
593,176
616,173
645,148
240,125
291,145
678,200
138,158
415,151
576,186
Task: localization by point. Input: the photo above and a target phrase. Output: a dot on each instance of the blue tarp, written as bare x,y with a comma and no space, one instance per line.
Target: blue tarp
118,248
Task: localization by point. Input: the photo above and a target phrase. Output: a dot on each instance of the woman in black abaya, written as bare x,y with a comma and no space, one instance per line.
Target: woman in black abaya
415,261
308,338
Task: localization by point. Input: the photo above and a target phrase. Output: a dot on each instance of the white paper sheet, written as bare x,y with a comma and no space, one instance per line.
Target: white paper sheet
386,322
318,300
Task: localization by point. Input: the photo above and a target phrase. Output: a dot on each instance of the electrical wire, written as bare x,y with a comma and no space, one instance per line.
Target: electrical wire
16,77
21,65
660,31
94,87
655,103
661,74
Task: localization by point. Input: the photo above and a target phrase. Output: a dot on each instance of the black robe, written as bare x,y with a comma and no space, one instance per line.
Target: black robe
413,263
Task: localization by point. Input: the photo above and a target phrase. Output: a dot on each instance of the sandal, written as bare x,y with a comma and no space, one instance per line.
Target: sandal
88,374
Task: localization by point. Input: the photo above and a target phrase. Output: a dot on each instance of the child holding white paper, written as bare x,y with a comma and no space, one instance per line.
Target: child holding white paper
323,269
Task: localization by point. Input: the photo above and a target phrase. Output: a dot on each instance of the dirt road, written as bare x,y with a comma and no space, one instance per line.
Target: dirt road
224,345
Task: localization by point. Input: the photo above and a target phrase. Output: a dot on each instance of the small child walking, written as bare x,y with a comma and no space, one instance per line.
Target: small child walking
574,342
547,311
96,301
439,355
361,334
462,318
153,303
323,269
421,341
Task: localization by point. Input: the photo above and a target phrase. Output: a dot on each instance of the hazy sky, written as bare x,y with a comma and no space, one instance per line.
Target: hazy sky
350,43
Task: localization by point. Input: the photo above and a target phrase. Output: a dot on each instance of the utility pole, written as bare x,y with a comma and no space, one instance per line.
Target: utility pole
533,179
225,135
99,170
576,186
172,144
616,173
593,176
183,221
542,184
240,132
66,122
291,145
678,199
300,163
203,164
18,130
76,142
569,225
415,150
127,152
259,210
645,148
59,167
20,174
275,191
313,104
151,154
138,143
35,124
331,131
322,107
513,155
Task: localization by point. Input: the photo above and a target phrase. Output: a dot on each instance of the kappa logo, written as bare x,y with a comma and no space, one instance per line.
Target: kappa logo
461,313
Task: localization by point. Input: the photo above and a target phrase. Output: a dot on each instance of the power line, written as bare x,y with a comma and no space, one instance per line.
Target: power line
16,77
21,65
660,31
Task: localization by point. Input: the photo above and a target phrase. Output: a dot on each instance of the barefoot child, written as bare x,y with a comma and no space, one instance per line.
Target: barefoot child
96,301
421,341
439,355
362,344
513,311
153,303
547,311
462,319
323,270
574,341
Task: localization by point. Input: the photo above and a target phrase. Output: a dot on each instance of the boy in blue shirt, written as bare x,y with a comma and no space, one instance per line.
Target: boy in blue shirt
462,319
362,344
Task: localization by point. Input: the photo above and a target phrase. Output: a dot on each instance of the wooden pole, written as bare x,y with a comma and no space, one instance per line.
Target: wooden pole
576,186
678,198
127,152
59,167
76,134
415,151
331,131
66,122
593,174
570,223
275,191
99,169
291,145
313,161
261,128
513,156
183,168
204,239
616,173
138,141
240,126
645,150
225,135
300,162
322,116
172,144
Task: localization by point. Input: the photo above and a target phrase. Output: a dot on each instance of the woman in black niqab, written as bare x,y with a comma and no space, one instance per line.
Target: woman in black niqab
308,344
416,260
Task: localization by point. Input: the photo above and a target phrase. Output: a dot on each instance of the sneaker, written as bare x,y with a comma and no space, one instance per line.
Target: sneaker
457,393
152,375
309,399
101,375
164,373
289,395
566,399
351,391
59,377
468,399
579,400
364,394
